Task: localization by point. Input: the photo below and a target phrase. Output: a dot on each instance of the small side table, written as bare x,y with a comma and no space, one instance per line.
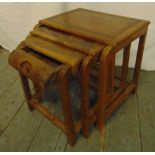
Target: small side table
86,42
116,32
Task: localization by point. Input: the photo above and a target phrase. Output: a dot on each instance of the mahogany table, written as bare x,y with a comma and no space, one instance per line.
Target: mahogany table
83,44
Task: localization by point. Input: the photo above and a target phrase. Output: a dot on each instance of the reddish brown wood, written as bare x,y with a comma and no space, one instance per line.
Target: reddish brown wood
124,72
115,103
39,69
103,74
26,88
111,77
85,74
106,30
119,100
63,86
83,45
69,44
139,59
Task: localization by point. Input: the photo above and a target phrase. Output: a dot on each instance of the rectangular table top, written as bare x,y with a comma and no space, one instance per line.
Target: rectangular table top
96,26
55,51
72,41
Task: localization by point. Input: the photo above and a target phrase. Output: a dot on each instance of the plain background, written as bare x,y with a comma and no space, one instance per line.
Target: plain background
17,19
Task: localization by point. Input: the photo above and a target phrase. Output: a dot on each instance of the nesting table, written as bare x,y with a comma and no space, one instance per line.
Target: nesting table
83,44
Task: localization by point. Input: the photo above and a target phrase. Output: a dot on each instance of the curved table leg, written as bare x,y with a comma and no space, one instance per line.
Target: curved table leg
63,86
103,76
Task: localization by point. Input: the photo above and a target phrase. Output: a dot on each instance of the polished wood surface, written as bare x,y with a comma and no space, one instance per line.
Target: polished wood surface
80,43
55,51
34,67
85,103
96,26
125,63
63,87
84,45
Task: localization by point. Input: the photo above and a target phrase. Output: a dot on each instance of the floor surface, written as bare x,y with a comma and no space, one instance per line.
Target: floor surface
131,127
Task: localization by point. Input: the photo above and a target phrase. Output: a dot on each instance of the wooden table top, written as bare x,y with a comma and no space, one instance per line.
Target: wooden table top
55,51
69,37
72,41
102,27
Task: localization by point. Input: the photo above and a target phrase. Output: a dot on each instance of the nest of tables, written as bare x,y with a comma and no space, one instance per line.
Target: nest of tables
79,45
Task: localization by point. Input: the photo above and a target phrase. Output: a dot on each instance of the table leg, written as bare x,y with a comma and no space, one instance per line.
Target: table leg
85,79
63,86
26,88
38,92
139,60
124,71
103,76
111,76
